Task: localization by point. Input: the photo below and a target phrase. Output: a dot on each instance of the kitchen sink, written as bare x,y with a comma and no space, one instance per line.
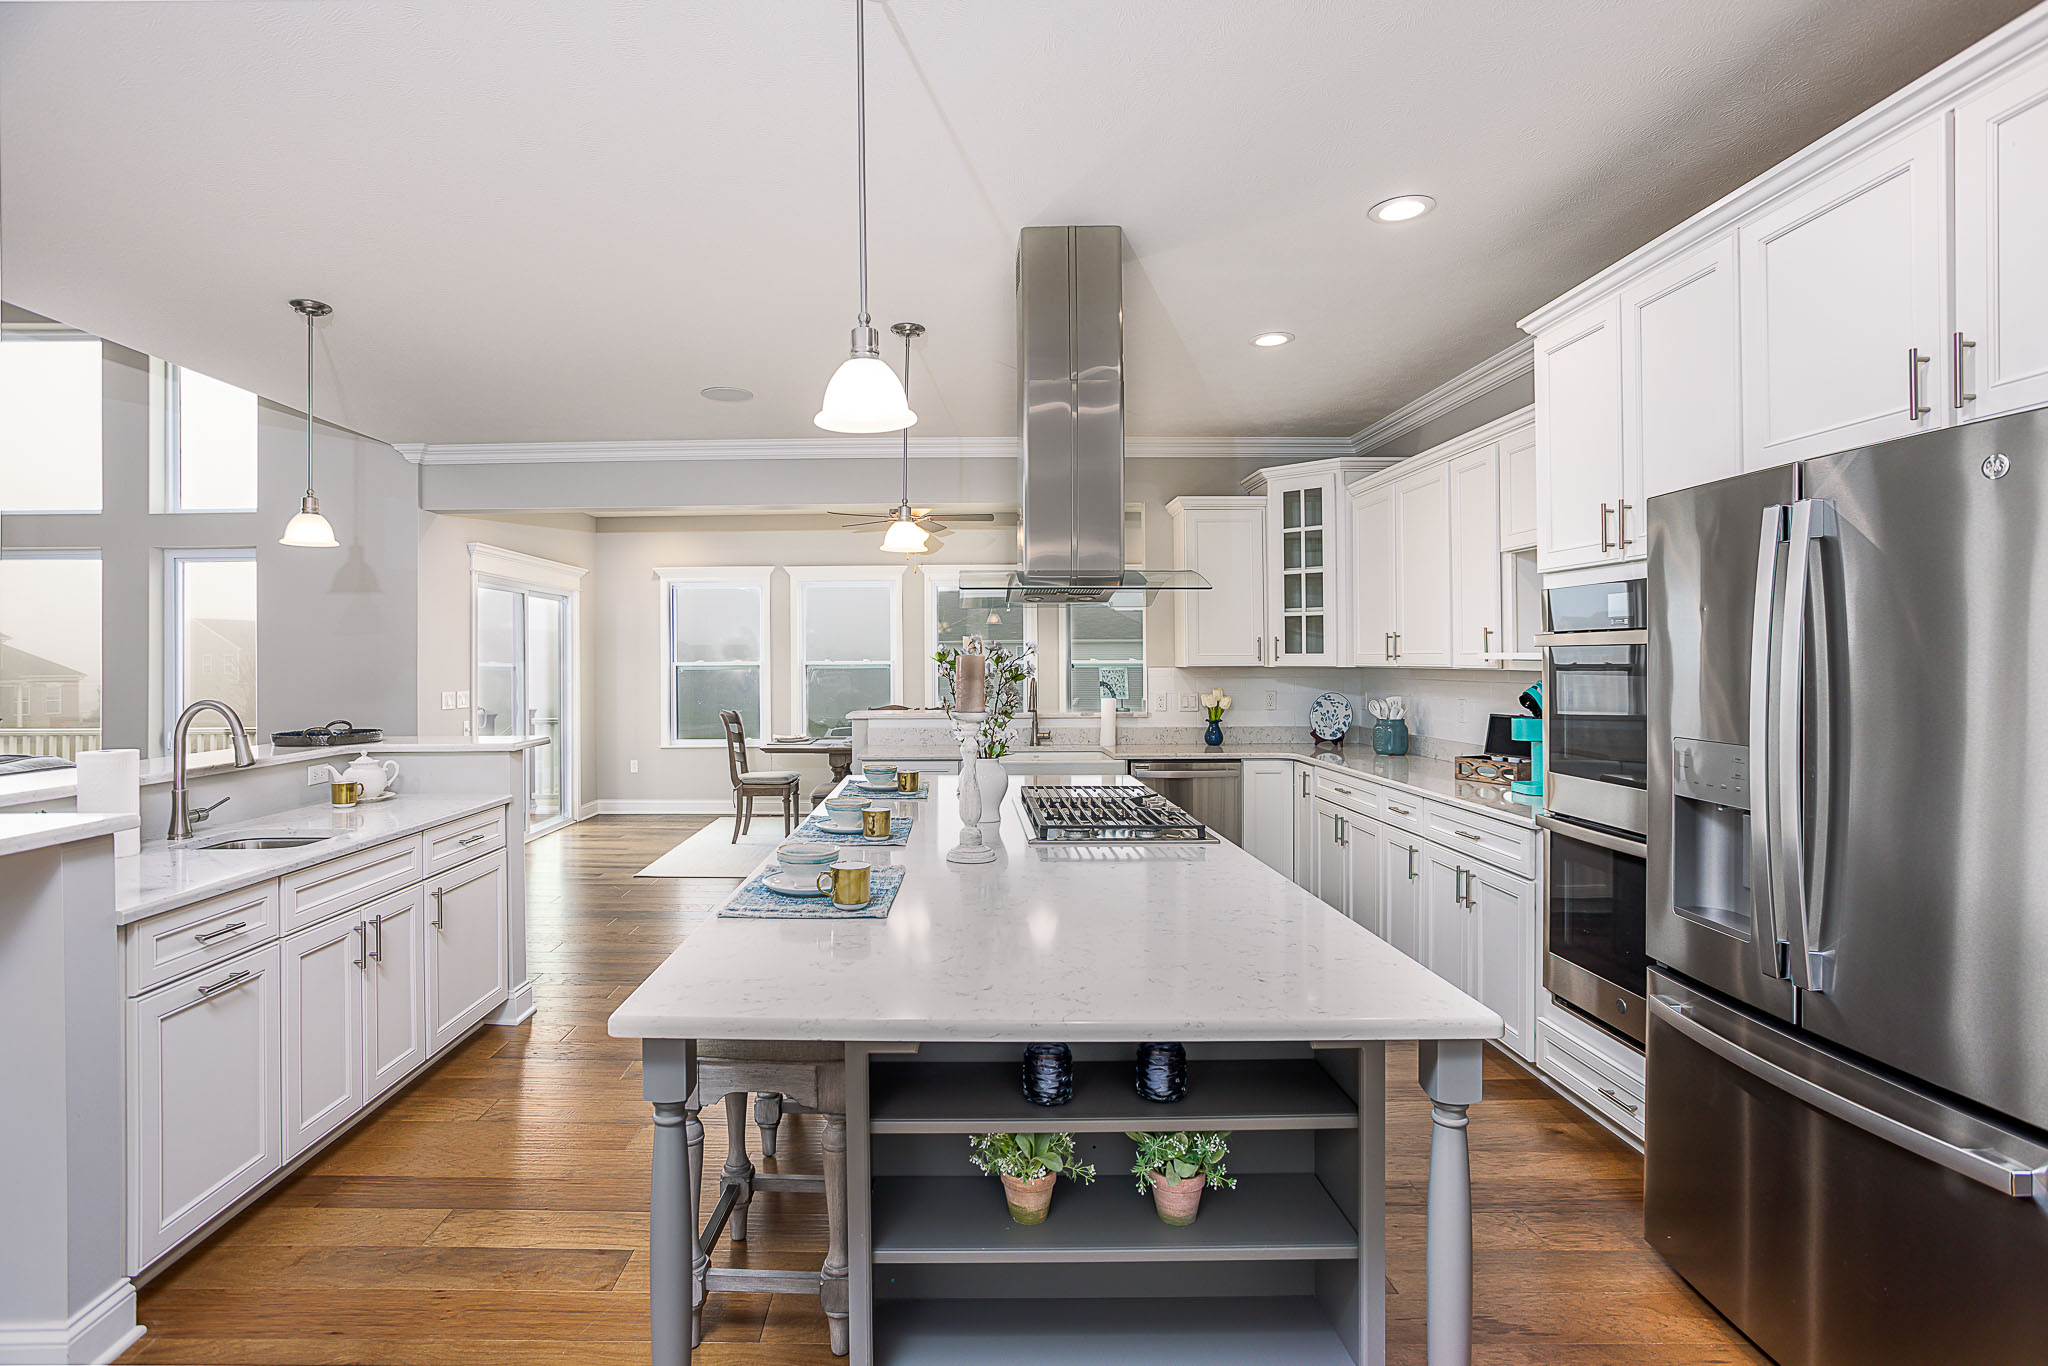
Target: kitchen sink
1091,762
267,842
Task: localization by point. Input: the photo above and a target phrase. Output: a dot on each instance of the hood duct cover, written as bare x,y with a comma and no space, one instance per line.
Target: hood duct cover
1070,354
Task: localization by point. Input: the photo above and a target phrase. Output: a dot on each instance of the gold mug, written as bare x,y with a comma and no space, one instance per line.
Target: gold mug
848,883
906,781
874,822
345,794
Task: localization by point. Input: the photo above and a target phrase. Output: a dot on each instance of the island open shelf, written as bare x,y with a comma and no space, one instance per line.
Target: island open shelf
1284,1330
939,1097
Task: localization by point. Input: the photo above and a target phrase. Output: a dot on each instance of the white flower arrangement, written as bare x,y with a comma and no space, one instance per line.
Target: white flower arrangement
1218,702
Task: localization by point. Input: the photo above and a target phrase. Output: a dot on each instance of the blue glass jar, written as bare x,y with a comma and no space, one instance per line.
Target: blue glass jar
1390,736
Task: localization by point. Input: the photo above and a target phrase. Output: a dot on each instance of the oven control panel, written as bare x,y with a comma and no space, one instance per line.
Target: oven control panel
1709,771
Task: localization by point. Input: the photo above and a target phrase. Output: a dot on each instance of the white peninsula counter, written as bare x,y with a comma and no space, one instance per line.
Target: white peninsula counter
1284,1005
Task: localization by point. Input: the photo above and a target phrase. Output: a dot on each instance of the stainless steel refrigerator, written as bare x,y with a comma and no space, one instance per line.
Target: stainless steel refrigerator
1847,1121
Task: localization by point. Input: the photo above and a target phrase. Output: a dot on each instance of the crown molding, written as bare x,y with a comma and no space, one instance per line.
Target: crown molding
1504,367
1270,449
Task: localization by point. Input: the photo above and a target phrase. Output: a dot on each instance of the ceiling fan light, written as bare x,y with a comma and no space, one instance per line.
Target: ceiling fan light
905,537
865,397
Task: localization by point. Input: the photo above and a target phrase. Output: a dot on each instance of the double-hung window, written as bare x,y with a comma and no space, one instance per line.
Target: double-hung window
209,640
950,620
715,639
209,443
1105,649
846,626
49,652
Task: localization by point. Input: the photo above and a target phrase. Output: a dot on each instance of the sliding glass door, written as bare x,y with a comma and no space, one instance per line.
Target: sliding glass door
522,688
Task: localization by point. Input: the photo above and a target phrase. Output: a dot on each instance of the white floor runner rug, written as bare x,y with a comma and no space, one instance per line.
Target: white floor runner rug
711,853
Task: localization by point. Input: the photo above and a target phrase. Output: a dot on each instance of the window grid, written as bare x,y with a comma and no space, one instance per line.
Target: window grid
694,674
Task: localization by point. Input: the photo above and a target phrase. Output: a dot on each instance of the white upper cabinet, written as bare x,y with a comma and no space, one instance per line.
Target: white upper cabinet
1475,558
1223,540
1373,571
1681,411
1997,358
1579,468
1844,283
1422,578
1302,538
1518,489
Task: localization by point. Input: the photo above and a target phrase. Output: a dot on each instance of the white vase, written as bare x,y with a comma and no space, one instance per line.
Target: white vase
993,780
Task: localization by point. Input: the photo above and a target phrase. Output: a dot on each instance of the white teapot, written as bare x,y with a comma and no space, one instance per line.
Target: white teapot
378,778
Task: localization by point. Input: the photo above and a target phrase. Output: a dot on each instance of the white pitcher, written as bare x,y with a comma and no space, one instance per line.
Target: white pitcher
377,777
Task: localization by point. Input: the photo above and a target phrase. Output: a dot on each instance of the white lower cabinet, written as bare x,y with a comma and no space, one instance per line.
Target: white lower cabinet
1267,816
394,990
465,955
1504,964
1364,853
1401,890
1302,795
1447,933
204,1113
323,1030
1329,880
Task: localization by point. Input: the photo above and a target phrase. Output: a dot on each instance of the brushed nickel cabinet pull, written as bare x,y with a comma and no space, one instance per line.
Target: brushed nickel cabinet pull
1467,835
1606,542
1621,526
233,979
472,839
208,936
1399,810
362,934
439,909
1412,873
1963,396
1618,1101
377,924
1915,409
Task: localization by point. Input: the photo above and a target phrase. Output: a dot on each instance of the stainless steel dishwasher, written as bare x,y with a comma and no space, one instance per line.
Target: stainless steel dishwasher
1210,790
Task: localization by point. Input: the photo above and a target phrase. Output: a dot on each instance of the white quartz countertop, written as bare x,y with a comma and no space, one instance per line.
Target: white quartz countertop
165,876
26,833
1117,942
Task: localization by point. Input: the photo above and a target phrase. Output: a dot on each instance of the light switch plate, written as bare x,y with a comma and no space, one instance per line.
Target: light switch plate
1188,701
462,698
447,701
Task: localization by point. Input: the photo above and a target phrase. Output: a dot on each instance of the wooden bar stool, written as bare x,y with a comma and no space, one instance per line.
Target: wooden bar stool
747,786
808,1078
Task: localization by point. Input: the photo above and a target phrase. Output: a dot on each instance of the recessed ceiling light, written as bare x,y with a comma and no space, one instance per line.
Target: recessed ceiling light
727,393
1272,339
1401,208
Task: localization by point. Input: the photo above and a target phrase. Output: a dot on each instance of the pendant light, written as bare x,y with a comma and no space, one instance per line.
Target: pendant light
905,536
307,527
864,395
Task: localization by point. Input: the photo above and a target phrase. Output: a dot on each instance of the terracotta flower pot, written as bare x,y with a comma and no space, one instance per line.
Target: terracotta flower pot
1031,1200
1177,1201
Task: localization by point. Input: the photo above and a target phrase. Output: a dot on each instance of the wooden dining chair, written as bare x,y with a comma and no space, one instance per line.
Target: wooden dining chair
747,786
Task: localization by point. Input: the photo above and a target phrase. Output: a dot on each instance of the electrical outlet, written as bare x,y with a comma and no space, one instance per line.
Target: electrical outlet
462,698
1272,699
1188,701
1163,702
316,774
1464,707
447,701
632,765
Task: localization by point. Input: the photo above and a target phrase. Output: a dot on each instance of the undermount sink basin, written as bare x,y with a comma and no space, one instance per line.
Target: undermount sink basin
1091,762
267,842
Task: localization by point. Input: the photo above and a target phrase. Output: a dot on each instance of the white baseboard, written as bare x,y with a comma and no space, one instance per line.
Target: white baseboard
589,809
629,806
99,1332
518,1007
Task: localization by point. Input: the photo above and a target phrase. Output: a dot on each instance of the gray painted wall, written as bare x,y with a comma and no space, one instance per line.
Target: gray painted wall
336,631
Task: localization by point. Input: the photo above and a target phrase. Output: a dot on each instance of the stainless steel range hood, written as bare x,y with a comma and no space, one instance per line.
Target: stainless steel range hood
1070,361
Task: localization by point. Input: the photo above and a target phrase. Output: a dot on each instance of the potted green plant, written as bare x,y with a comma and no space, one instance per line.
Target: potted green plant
1028,1165
1176,1167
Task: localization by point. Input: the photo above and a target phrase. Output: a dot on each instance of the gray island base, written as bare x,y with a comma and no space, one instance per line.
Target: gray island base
1285,1008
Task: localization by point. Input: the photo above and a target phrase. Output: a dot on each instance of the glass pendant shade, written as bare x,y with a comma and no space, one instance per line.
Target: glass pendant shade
308,528
864,398
905,537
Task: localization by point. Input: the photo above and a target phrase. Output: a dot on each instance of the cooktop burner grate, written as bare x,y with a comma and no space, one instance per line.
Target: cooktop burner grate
1105,815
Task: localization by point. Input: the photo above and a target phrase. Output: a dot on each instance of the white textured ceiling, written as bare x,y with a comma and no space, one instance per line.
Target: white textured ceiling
557,222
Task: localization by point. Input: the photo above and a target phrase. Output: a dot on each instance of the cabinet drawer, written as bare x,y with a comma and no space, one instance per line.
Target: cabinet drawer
459,841
341,884
1496,842
1352,793
1398,808
1603,1089
168,946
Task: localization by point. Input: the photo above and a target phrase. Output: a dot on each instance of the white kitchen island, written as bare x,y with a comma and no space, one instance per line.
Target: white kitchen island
1285,1007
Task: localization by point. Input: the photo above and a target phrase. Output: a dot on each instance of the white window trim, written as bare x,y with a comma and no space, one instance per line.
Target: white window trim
940,578
542,578
760,576
801,576
175,700
527,571
172,435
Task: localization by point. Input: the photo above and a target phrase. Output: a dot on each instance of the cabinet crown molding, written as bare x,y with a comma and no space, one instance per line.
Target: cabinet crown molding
1346,469
1940,88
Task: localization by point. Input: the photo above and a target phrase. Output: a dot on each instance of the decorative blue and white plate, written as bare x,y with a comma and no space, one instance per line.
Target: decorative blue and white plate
1329,716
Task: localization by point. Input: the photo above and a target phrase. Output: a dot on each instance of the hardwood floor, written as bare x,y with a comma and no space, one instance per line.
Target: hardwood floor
496,1212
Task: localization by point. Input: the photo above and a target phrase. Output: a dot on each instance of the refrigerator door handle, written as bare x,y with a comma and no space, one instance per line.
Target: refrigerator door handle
2003,1173
1811,520
1763,693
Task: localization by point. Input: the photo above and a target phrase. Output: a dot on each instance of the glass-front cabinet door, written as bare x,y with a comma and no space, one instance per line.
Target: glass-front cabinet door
1302,520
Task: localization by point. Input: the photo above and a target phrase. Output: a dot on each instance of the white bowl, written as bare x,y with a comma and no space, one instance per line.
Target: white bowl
879,775
805,853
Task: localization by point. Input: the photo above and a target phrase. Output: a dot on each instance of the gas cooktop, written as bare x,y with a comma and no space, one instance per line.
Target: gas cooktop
1120,814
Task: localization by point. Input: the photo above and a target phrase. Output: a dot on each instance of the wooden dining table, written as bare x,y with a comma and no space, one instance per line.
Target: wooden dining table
838,752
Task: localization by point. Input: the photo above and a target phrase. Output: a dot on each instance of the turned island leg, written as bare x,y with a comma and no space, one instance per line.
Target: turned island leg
738,1172
668,1075
1452,1071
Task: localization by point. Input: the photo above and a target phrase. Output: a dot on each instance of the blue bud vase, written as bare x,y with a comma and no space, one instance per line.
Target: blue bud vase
1213,735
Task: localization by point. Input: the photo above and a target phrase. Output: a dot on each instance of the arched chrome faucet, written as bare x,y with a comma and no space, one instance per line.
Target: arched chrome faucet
182,820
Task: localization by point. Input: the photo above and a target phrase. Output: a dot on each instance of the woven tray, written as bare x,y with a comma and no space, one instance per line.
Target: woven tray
1497,769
